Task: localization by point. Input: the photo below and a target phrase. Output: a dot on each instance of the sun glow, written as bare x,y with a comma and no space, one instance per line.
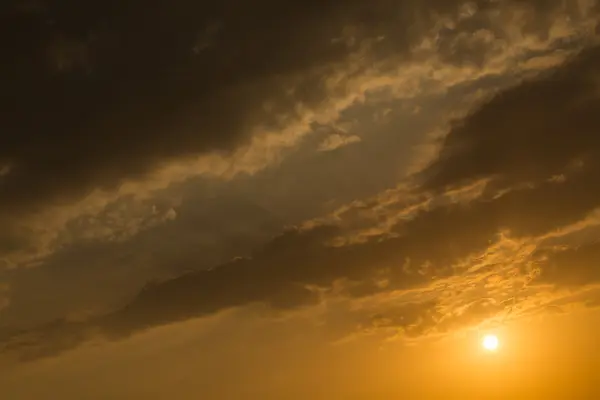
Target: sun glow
490,342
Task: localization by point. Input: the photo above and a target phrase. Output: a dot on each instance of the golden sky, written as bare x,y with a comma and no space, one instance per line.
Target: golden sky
291,200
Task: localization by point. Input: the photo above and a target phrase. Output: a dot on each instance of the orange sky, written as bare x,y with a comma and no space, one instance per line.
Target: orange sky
550,357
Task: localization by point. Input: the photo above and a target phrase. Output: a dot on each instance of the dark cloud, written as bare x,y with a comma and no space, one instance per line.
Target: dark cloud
539,129
539,141
34,344
107,90
283,273
280,275
104,91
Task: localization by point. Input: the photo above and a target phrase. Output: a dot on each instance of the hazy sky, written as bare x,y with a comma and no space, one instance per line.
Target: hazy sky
331,199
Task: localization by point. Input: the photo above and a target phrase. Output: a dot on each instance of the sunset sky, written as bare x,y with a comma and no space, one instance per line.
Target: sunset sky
302,199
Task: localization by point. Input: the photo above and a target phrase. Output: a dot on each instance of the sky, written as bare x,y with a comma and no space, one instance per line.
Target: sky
300,199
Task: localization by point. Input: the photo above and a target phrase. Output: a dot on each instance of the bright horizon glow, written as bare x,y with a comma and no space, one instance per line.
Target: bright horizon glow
490,342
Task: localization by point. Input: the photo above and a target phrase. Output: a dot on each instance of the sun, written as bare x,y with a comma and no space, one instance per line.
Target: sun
490,342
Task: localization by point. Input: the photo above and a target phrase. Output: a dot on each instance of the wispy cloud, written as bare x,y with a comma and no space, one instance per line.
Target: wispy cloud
335,141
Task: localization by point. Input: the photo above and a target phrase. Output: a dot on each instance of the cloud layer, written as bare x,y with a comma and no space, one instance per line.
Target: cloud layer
482,231
114,96
109,92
